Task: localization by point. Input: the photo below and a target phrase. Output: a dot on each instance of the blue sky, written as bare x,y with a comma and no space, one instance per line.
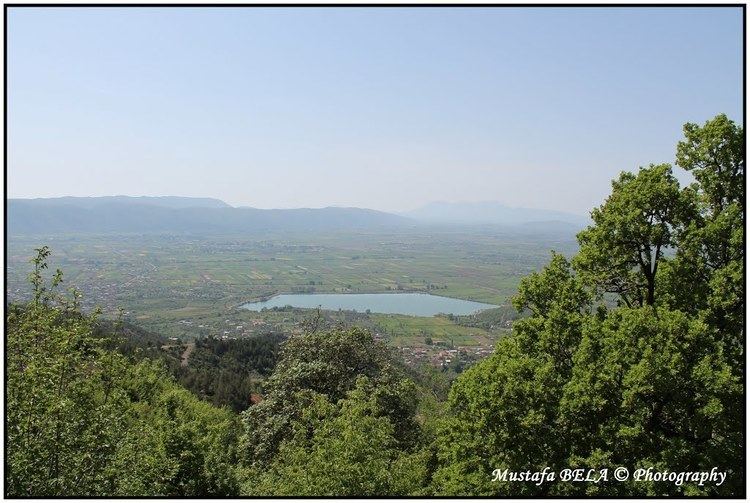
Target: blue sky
386,108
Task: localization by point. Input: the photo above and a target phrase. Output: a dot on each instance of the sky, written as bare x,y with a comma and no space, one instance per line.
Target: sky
383,108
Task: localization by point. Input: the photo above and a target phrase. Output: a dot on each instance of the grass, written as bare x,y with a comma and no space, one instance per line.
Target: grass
413,330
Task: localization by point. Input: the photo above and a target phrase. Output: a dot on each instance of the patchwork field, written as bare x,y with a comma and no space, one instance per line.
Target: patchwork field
190,286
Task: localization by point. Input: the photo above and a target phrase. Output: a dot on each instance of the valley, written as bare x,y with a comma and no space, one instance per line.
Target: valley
190,286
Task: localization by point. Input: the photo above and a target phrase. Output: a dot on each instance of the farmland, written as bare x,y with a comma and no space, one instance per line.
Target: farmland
187,286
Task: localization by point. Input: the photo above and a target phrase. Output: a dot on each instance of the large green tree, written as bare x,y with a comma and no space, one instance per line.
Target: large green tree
82,420
338,413
504,409
327,363
623,249
656,381
711,248
652,388
348,448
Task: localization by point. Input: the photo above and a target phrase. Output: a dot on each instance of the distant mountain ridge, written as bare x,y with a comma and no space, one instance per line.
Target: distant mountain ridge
180,214
175,202
165,214
489,212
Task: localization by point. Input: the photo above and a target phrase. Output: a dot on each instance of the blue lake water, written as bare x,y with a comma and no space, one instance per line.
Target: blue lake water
414,304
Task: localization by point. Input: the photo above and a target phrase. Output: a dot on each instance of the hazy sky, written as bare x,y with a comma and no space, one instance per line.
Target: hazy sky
386,108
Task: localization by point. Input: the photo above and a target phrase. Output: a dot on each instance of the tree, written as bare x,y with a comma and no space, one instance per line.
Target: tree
325,363
349,448
173,444
502,413
64,416
504,408
711,248
558,302
82,420
621,252
714,154
656,381
653,389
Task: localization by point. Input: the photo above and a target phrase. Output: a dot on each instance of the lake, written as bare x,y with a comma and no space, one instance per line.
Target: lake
413,304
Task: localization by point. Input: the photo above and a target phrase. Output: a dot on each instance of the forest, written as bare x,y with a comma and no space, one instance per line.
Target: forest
630,355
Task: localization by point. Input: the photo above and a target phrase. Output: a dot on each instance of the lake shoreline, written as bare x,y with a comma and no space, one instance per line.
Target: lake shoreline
408,303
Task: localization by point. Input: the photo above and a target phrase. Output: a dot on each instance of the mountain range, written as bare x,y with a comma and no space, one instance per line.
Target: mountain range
180,214
489,212
113,214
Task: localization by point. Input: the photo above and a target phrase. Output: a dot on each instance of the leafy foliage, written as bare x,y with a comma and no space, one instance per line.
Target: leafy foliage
84,421
337,416
227,372
350,448
222,372
711,254
655,382
653,388
638,222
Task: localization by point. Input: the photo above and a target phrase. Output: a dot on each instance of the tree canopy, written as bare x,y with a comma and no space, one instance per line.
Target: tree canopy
83,420
631,357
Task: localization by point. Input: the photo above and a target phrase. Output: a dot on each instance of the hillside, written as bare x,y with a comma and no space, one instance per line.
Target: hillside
222,372
175,202
489,212
182,215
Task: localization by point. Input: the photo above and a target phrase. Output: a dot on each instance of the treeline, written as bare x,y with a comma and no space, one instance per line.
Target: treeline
632,355
489,319
227,372
82,420
223,372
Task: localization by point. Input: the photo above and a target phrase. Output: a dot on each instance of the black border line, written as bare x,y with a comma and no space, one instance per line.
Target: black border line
6,6
371,5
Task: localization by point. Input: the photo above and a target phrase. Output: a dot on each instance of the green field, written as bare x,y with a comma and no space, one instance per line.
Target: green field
190,286
412,330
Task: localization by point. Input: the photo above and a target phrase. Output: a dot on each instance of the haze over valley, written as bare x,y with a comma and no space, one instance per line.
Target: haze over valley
185,214
171,261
